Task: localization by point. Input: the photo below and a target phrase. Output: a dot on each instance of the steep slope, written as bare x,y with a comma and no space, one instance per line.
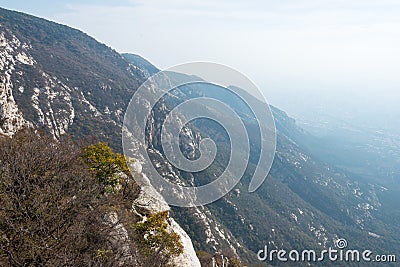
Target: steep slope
305,203
59,79
62,80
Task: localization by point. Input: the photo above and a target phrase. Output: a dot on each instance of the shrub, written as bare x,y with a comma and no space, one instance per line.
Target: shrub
52,206
105,164
157,243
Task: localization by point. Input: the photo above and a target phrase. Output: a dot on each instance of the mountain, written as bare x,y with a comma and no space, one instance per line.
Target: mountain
304,203
140,62
62,80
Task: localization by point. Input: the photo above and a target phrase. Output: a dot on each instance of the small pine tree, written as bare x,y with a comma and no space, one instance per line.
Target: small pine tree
157,243
105,164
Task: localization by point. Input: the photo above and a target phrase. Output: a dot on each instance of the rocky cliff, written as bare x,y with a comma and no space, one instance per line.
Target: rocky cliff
59,79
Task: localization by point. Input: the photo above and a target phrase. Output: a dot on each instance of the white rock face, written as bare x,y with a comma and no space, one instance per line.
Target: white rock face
150,199
189,257
25,59
11,119
119,237
51,103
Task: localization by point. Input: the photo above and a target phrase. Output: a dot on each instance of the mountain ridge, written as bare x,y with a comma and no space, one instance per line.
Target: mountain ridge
64,81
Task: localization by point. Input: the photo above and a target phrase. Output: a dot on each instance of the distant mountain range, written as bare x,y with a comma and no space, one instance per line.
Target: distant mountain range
64,81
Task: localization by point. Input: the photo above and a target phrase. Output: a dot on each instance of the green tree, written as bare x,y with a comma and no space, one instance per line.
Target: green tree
52,207
105,164
158,244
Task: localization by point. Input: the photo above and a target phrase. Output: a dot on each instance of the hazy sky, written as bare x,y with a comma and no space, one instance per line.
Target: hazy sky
342,53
